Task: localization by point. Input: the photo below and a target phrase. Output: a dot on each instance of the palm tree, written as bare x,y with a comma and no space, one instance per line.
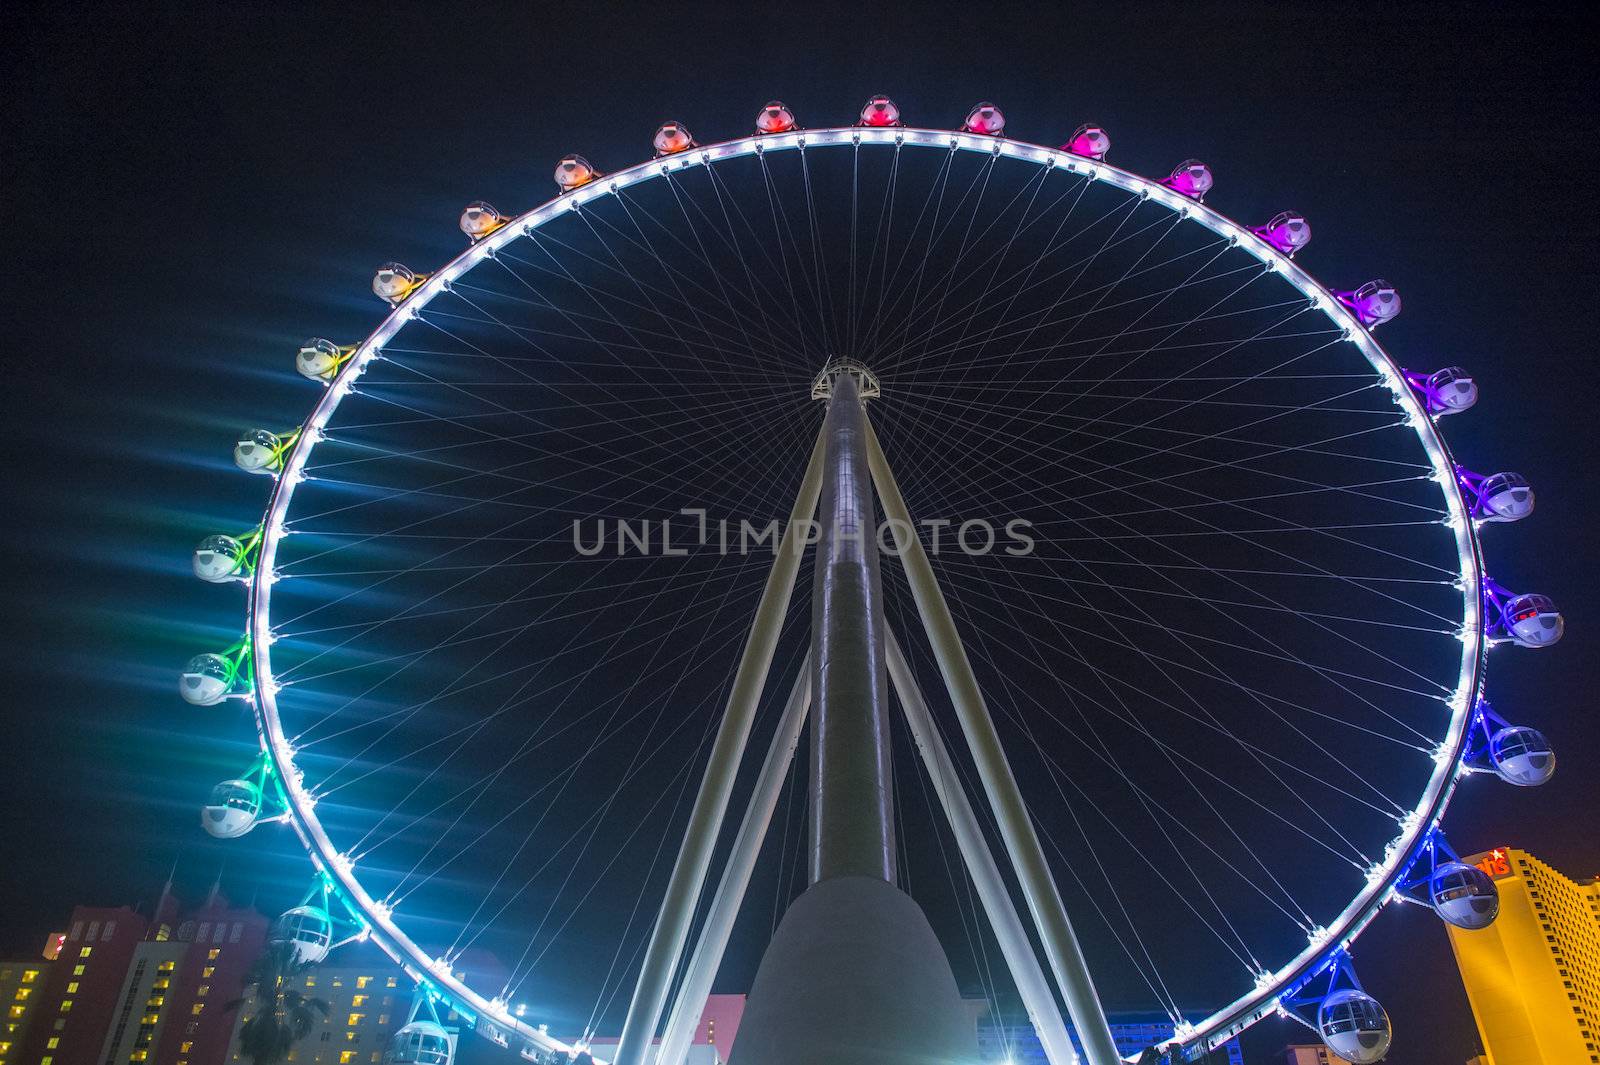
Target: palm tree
282,1016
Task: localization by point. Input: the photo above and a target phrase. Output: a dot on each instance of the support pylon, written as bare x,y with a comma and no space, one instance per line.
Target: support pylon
854,974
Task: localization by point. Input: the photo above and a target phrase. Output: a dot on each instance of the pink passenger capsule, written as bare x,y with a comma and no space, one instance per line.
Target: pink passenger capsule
774,118
672,138
1287,231
986,119
1191,178
879,113
1091,142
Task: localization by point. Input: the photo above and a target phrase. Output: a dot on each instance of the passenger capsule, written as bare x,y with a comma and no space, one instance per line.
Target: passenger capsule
774,118
1373,303
880,113
1287,231
1532,620
672,138
1522,756
1463,895
1449,391
258,451
1504,497
986,119
1091,142
574,172
219,559
394,282
1354,1026
479,220
320,360
232,809
1191,178
207,680
420,1043
308,929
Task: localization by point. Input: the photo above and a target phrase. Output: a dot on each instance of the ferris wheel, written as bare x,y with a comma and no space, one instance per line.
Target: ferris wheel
1168,539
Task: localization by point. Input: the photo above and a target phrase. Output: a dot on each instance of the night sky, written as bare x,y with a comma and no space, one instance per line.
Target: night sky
188,193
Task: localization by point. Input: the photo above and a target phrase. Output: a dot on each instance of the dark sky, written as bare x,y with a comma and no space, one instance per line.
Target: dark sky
188,192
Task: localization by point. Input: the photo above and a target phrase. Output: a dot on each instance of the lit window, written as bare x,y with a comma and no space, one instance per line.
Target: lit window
391,982
66,1005
83,952
211,955
196,1008
51,1043
355,1019
358,1000
72,988
24,992
77,970
202,991
29,975
346,1056
363,981
205,974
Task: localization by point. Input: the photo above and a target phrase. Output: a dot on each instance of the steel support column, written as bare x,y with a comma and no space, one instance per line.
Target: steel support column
1000,786
852,805
711,803
1034,987
703,963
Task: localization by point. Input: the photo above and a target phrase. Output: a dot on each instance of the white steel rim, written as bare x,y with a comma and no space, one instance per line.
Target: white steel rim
1413,829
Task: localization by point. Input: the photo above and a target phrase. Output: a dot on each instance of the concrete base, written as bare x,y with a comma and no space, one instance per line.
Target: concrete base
855,976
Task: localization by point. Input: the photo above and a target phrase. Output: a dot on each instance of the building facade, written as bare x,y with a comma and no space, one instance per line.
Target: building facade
21,982
1311,1054
79,996
1533,976
368,1000
171,1009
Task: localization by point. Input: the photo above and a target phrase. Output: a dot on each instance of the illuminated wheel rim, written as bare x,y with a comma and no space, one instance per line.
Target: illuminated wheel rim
1230,1019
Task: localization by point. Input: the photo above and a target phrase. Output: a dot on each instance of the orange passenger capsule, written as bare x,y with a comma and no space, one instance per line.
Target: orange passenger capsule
574,172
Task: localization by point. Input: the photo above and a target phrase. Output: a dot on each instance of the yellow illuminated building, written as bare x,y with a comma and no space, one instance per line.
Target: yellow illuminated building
1533,977
20,984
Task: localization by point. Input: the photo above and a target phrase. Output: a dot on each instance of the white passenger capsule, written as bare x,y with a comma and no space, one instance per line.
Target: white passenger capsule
320,360
1532,620
219,559
1450,390
420,1043
258,451
1522,756
1463,895
1354,1026
479,219
1504,497
1089,141
206,680
1374,303
672,138
309,931
574,172
393,282
232,809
